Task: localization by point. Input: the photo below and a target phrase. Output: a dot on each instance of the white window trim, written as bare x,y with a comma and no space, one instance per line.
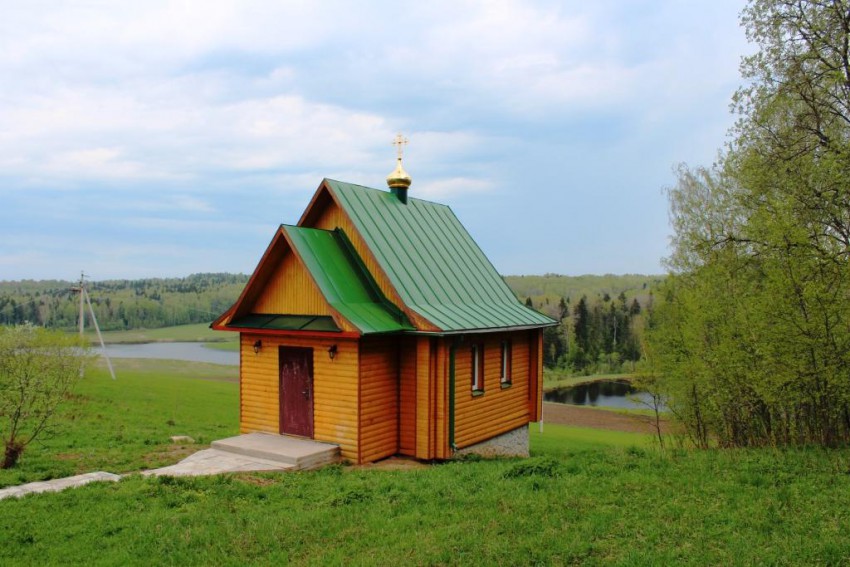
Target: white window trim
477,374
506,361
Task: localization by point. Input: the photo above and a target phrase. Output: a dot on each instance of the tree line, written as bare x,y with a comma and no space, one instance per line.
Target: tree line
121,304
750,341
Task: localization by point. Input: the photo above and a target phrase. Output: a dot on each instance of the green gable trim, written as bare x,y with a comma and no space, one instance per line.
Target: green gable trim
286,322
432,261
343,280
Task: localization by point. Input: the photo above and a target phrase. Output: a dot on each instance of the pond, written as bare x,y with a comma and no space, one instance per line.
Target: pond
602,393
193,352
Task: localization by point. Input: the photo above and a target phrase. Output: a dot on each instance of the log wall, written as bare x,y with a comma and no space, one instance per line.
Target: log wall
379,399
500,408
335,389
426,408
407,397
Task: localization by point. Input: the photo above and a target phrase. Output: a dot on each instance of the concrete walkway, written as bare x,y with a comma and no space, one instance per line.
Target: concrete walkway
243,453
214,461
57,484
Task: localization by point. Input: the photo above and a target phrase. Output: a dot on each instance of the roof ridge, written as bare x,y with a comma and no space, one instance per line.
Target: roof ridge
357,185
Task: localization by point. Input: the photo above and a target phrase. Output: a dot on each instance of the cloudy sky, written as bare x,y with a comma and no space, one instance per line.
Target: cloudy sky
146,139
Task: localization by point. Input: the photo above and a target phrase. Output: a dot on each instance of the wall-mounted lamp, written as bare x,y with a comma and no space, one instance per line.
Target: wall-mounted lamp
332,351
257,346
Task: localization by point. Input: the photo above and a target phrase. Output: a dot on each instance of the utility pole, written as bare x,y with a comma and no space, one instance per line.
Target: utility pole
82,309
86,300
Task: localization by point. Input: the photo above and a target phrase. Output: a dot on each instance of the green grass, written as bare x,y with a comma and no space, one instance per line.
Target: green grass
585,497
124,425
199,332
559,440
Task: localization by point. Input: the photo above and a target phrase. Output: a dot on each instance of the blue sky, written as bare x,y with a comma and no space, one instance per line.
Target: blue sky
153,139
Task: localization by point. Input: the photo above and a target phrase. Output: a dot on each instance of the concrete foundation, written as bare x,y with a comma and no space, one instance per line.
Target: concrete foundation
511,444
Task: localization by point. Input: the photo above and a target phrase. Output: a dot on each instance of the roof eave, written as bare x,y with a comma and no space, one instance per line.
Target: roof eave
484,330
296,333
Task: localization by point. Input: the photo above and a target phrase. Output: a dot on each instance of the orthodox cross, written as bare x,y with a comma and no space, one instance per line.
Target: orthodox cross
400,141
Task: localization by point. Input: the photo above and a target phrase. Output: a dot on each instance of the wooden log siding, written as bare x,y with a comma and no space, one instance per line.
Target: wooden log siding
335,390
425,404
379,398
440,379
407,397
498,410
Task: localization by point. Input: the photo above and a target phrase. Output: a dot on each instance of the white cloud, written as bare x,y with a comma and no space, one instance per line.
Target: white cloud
99,162
233,110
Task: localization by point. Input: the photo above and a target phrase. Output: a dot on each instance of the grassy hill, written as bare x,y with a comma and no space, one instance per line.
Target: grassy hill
586,496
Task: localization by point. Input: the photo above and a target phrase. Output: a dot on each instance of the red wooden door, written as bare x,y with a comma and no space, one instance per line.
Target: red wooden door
296,391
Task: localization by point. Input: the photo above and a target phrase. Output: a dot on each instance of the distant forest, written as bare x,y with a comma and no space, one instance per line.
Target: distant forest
602,318
121,304
600,315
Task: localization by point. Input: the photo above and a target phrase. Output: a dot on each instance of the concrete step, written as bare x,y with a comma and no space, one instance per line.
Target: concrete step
301,454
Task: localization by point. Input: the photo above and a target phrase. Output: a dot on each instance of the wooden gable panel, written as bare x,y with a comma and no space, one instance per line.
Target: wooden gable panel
290,290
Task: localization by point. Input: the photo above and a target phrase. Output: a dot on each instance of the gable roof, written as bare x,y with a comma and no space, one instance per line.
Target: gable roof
343,280
337,272
431,261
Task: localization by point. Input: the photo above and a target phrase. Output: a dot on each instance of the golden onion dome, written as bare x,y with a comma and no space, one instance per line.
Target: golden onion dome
398,179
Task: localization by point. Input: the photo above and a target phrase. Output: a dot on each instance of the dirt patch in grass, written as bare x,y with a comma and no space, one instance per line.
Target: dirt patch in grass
70,456
576,416
393,464
170,454
257,480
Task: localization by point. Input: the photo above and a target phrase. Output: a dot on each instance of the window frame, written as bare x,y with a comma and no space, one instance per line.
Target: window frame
477,368
506,370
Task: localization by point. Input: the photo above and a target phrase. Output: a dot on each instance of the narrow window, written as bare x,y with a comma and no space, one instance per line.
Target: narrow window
506,363
477,368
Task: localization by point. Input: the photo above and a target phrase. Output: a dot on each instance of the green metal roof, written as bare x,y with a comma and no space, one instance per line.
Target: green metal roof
344,281
432,261
286,322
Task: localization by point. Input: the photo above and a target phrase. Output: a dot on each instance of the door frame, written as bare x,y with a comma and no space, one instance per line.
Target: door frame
305,396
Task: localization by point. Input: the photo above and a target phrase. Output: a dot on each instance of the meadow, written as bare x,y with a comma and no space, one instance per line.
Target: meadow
584,497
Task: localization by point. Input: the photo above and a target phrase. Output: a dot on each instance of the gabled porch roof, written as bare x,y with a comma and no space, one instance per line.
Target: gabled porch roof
338,273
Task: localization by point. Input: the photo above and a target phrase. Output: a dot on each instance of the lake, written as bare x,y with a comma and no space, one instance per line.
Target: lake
603,393
192,352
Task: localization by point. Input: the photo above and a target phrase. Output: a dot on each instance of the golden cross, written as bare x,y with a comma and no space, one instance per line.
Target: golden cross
400,141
